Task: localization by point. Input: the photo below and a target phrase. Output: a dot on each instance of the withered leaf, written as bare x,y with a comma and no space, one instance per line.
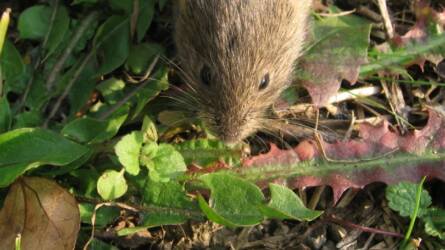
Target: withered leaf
44,214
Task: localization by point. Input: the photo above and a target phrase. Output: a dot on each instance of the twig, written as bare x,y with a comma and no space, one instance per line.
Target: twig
68,88
73,43
386,18
39,57
339,97
136,90
363,228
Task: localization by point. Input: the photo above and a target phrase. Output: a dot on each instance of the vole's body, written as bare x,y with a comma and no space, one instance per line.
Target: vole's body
238,56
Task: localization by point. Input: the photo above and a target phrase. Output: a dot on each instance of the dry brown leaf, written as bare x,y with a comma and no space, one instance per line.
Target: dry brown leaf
44,214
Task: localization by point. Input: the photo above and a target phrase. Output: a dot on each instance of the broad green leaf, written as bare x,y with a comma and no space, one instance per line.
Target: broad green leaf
112,185
5,115
112,43
152,90
402,198
104,215
59,29
149,130
82,89
142,55
170,196
112,90
435,222
24,149
28,119
285,204
167,165
122,5
84,1
146,13
34,22
4,23
93,130
232,200
128,150
206,152
11,62
213,215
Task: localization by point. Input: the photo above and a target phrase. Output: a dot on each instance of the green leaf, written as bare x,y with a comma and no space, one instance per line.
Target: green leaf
122,5
172,197
206,152
142,55
11,62
435,222
5,115
146,13
24,149
151,90
112,43
285,204
34,22
60,27
234,201
402,198
128,150
149,130
96,131
104,215
112,185
112,90
168,164
84,1
28,119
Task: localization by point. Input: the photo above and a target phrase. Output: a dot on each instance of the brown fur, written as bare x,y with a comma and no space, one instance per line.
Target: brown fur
240,41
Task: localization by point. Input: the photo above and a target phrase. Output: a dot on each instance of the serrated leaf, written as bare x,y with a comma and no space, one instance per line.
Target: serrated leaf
206,152
168,164
285,204
112,42
111,185
435,222
339,48
34,22
24,149
402,198
233,201
172,197
128,151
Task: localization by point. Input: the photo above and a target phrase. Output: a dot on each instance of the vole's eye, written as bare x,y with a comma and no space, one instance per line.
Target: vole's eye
206,75
265,81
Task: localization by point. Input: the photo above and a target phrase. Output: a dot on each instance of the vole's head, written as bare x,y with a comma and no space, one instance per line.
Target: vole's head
238,56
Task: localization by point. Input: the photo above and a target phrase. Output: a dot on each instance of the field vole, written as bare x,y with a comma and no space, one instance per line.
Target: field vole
237,56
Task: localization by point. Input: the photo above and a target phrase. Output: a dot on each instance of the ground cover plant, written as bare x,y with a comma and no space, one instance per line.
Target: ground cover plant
98,152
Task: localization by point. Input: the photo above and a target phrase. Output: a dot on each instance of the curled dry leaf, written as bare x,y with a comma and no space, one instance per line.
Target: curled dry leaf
44,214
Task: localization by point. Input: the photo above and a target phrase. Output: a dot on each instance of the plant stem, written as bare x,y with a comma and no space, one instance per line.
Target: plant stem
414,215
